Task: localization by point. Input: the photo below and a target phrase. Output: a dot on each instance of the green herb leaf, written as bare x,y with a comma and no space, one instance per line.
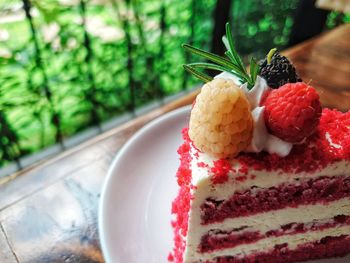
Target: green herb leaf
254,70
198,74
230,67
205,65
212,57
232,48
225,41
232,63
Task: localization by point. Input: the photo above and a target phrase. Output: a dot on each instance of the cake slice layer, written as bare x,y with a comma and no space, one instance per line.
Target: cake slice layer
325,248
256,200
290,242
218,239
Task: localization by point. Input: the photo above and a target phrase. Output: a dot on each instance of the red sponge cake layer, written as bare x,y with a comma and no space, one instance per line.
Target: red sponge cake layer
218,239
327,247
254,201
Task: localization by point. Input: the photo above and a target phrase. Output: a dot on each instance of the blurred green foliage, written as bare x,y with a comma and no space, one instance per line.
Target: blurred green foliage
84,62
265,24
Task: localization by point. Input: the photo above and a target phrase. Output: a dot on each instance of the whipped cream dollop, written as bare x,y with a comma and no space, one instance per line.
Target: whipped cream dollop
262,140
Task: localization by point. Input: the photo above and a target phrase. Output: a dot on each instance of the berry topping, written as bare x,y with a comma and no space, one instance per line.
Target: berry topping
292,112
221,123
277,70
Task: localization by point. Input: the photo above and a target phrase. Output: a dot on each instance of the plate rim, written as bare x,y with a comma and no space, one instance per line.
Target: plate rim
105,186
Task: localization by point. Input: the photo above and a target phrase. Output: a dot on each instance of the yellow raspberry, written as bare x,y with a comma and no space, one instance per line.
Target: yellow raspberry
221,123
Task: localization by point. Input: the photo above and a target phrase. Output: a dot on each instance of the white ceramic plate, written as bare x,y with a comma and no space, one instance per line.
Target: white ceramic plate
134,212
134,216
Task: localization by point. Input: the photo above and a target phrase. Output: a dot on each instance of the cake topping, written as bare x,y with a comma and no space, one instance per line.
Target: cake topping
262,139
227,119
334,128
278,70
221,123
292,112
256,94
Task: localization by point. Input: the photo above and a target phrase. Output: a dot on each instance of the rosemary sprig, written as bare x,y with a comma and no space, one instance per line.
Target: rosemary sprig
232,63
202,76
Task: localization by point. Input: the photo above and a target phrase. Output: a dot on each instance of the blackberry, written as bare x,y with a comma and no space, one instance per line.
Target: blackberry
277,70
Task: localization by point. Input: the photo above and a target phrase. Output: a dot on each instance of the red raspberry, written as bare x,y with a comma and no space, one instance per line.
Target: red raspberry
292,112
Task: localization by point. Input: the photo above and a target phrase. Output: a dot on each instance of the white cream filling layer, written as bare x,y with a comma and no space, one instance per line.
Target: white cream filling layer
268,244
275,219
201,177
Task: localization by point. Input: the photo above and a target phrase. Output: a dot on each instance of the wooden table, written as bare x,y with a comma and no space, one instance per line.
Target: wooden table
48,213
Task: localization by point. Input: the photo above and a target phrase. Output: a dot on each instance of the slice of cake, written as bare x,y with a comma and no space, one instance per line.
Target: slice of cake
265,172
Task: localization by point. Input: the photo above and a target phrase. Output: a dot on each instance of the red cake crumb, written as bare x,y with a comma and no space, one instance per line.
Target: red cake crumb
220,171
181,204
244,169
202,164
170,257
250,202
314,154
337,125
241,178
325,248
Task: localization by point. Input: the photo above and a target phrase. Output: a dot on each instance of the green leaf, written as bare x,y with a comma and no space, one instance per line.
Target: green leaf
229,38
254,70
239,73
226,44
197,74
205,65
212,57
232,63
232,49
229,55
